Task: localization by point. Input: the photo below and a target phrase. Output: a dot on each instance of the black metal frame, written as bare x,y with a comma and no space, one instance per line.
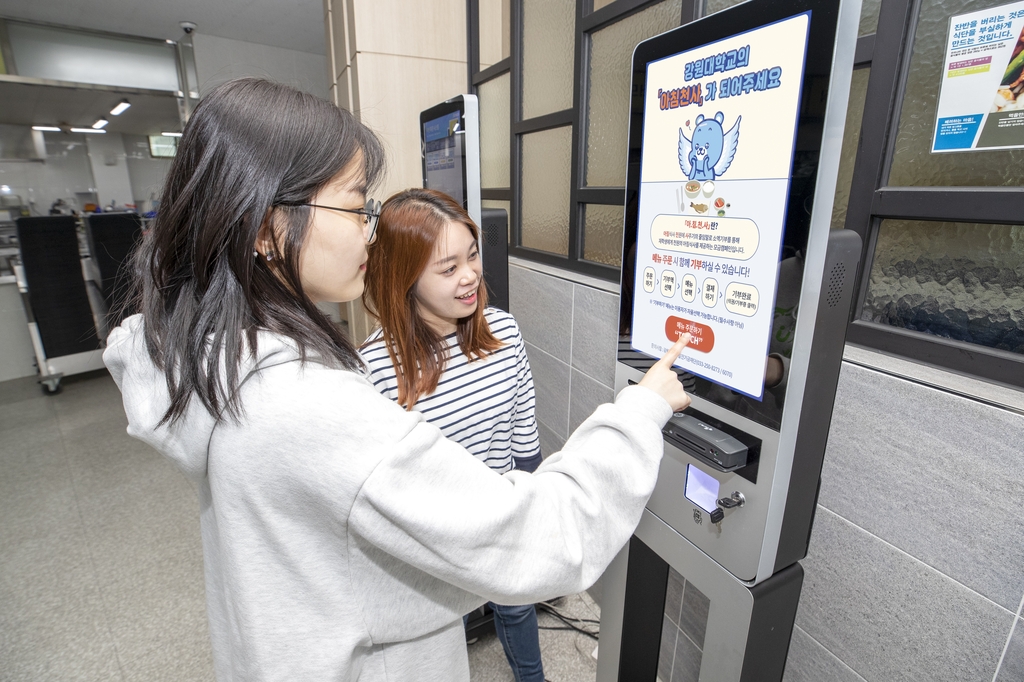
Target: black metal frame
887,52
587,21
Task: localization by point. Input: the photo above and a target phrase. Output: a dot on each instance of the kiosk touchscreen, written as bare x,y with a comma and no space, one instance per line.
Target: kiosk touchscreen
735,134
450,139
727,238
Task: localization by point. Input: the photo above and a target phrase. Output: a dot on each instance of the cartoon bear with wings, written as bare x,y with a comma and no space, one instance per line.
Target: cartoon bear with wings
710,153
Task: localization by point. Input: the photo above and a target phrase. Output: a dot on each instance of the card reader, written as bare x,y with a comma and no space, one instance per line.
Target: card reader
700,439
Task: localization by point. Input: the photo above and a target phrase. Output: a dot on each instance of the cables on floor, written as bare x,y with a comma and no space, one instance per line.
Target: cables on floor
580,625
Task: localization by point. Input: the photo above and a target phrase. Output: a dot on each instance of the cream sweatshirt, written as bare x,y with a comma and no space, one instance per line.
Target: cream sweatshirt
344,538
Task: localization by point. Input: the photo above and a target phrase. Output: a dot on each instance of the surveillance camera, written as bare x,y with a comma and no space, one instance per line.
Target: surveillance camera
188,26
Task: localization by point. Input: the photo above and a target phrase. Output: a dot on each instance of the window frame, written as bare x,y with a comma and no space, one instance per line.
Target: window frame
587,22
888,52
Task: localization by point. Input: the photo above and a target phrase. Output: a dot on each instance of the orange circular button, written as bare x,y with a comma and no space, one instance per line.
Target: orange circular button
702,337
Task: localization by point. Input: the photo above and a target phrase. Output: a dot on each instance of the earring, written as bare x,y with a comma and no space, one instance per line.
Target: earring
270,255
255,253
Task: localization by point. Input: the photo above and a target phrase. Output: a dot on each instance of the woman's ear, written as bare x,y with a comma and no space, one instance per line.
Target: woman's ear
266,244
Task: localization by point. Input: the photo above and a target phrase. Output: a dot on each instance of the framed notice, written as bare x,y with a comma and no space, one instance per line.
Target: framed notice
981,96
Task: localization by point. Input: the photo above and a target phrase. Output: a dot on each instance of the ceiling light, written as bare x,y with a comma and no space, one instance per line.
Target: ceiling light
100,123
171,134
47,129
87,130
120,108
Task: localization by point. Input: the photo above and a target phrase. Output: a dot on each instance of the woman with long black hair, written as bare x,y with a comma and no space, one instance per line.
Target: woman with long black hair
343,537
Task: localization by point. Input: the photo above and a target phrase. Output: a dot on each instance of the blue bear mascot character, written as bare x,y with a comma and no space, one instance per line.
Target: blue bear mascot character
711,151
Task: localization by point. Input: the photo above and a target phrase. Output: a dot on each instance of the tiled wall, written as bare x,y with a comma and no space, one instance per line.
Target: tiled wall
571,331
682,631
916,564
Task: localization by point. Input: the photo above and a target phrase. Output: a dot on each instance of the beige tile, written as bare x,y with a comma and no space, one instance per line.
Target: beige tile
392,92
343,91
350,28
435,29
339,36
332,68
353,85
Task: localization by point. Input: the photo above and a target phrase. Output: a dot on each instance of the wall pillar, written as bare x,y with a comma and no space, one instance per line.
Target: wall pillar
388,60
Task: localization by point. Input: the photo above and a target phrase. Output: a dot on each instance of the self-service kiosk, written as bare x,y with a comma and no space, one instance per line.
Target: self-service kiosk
735,136
450,140
450,145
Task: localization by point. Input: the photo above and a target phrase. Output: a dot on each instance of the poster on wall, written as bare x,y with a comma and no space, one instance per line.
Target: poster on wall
981,97
719,131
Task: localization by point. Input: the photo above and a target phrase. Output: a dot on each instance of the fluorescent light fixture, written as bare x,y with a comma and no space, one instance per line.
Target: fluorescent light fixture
87,130
100,123
120,108
47,129
171,134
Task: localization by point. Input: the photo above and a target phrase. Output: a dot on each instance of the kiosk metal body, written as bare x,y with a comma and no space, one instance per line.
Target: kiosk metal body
450,142
727,237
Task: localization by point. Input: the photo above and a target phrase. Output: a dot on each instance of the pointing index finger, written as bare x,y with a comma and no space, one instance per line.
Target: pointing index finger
673,353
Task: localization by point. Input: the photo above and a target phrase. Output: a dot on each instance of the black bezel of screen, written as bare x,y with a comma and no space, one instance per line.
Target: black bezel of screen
457,105
742,18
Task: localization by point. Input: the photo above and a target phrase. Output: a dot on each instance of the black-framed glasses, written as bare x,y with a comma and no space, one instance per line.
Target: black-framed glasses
370,213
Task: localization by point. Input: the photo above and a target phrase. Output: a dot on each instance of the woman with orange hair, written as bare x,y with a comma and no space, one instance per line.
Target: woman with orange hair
467,370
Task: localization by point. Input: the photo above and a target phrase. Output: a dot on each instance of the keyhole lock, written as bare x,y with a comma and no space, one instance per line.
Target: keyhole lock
735,500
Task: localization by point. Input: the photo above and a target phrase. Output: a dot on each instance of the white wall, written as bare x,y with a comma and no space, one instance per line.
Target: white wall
65,172
109,169
145,172
222,59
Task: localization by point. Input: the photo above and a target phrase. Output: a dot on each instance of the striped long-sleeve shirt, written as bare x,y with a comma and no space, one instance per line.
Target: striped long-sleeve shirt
486,405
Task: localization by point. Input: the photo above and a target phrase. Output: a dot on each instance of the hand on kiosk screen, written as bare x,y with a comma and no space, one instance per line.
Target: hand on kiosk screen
661,378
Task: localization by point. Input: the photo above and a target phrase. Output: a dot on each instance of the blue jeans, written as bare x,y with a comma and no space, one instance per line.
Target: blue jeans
517,630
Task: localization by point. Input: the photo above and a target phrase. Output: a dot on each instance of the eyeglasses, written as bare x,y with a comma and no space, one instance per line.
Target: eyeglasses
370,213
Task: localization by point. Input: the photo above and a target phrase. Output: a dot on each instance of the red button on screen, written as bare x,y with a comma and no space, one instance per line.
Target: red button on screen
702,337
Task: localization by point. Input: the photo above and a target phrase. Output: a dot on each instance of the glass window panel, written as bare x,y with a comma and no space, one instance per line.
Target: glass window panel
960,281
494,132
869,16
549,27
79,57
545,187
602,234
851,138
913,163
712,6
494,25
611,50
506,205
868,12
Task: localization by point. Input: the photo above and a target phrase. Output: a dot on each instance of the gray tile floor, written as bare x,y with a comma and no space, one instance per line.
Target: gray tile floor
100,557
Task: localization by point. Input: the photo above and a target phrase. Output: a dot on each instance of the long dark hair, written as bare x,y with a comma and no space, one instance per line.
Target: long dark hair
411,223
250,146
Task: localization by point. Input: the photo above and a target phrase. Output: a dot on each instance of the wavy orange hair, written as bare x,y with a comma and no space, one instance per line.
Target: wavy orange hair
411,223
